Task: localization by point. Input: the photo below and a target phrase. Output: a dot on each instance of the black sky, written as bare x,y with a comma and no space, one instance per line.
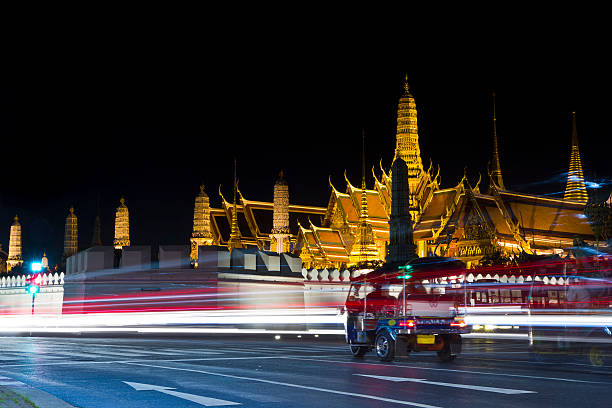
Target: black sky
151,119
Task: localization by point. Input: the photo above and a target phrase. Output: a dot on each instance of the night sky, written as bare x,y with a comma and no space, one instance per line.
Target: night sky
150,122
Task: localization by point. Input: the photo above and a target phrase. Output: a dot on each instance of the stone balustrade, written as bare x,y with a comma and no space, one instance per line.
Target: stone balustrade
20,281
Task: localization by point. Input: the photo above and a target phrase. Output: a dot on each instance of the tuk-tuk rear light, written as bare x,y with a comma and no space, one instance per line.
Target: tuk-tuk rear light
460,324
407,323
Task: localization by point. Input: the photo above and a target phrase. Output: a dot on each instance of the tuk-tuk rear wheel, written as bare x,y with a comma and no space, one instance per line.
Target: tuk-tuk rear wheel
385,346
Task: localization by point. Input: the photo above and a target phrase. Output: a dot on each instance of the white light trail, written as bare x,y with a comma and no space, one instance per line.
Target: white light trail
176,322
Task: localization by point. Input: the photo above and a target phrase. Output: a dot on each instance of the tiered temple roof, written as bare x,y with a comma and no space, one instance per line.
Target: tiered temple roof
255,221
519,222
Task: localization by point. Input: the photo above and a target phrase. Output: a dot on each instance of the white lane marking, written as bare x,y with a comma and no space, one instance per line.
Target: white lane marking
282,349
307,349
352,394
118,353
75,354
198,399
533,362
10,382
454,385
480,353
239,350
192,351
278,350
145,352
139,360
17,356
450,370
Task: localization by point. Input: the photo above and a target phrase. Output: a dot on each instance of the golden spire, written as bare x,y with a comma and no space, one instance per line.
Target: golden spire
201,216
364,248
364,197
234,241
280,237
575,188
496,168
407,136
122,226
201,235
70,234
14,255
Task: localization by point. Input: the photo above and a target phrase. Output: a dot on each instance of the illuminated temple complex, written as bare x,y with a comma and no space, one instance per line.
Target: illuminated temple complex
460,221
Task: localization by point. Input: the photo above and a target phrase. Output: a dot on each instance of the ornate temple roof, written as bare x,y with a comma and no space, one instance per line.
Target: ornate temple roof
547,221
255,219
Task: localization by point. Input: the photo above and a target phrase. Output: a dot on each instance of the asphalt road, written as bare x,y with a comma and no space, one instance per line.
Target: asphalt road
141,372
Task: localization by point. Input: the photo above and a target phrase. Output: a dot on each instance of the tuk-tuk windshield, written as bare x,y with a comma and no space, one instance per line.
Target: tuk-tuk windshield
361,290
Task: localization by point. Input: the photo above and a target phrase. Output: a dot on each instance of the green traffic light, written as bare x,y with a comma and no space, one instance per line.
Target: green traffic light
407,274
32,289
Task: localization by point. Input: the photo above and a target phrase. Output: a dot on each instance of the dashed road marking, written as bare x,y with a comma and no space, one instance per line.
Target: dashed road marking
450,370
509,391
351,394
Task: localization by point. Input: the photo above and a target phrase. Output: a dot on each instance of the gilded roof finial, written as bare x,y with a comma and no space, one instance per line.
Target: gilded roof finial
363,175
574,132
496,167
406,85
234,241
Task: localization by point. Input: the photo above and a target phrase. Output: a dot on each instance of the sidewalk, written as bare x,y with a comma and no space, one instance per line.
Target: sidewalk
15,394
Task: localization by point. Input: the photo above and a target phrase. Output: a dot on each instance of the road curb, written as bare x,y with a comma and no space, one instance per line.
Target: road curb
37,396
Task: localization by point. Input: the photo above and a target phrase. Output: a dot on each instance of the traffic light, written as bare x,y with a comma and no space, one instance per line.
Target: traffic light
33,284
407,272
32,288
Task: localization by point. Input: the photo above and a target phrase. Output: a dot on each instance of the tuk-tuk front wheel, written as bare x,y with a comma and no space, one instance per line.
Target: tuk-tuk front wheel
385,346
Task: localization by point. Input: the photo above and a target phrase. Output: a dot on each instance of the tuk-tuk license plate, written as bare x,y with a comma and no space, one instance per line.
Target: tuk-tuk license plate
426,339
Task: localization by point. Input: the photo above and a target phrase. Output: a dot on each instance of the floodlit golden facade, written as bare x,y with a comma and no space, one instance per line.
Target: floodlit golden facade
71,234
15,254
280,238
459,221
201,224
122,226
336,242
254,220
575,188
